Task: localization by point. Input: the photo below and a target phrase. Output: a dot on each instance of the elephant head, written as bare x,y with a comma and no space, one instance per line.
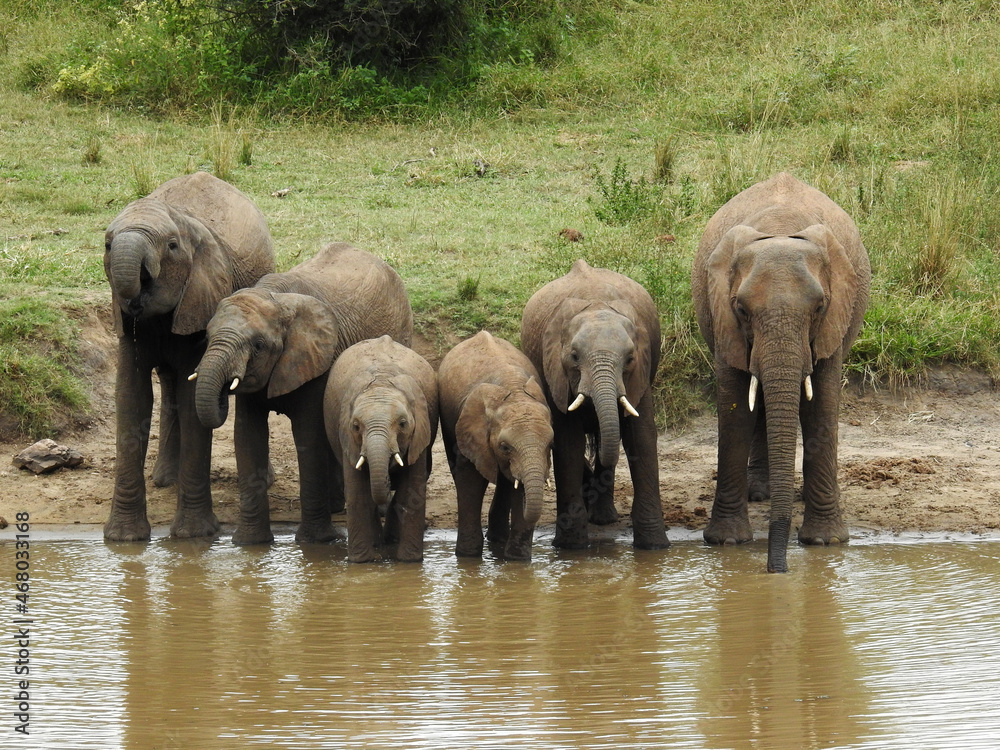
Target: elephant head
258,339
510,433
386,422
600,351
161,260
778,305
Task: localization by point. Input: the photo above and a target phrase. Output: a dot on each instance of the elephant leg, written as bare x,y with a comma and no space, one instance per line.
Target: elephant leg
823,521
315,456
251,443
169,446
127,521
519,539
599,494
498,520
730,521
639,438
194,516
758,477
470,486
363,525
568,459
408,508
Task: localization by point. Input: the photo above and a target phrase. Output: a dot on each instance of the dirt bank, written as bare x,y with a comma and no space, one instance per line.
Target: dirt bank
923,459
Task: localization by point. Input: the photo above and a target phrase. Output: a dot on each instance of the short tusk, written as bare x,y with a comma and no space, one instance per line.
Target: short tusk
235,384
576,403
753,392
516,484
360,463
809,388
193,376
399,459
628,407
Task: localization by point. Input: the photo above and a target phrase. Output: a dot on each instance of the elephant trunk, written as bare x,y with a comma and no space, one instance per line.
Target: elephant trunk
781,379
534,491
378,453
215,372
130,264
606,388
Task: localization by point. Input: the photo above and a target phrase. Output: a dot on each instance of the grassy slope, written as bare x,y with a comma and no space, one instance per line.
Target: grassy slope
888,107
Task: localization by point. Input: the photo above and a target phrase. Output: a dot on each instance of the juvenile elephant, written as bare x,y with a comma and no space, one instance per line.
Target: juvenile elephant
594,335
170,258
273,344
497,428
780,285
381,408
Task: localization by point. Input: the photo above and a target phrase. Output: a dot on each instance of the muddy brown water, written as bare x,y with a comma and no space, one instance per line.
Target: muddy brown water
880,644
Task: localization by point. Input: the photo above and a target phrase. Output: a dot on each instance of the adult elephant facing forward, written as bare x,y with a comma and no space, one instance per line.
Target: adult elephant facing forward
170,257
594,335
780,285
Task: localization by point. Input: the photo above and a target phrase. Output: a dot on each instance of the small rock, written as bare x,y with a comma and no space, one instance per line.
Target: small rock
45,456
281,193
571,235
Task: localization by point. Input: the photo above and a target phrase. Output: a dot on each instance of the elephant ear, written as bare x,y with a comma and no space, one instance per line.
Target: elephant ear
472,432
414,394
310,344
209,280
552,350
534,389
843,291
730,343
637,382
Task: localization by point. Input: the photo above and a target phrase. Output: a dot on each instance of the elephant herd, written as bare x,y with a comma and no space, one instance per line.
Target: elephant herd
780,284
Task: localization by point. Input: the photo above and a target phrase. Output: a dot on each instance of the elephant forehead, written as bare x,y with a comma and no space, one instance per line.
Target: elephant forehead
601,324
248,309
780,257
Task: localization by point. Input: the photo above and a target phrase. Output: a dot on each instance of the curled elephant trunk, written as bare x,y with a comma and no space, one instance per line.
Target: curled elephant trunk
130,263
605,395
378,453
216,371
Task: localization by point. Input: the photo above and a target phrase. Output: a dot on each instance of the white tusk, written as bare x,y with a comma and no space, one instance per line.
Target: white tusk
399,459
753,392
516,484
236,382
193,376
809,388
360,463
628,407
576,404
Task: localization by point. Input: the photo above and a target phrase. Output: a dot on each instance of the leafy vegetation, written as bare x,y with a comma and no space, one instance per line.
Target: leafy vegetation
460,157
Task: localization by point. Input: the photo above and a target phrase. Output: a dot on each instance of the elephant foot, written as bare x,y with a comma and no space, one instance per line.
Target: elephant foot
823,531
571,529
650,538
246,536
760,490
126,529
603,511
164,473
731,530
466,548
518,546
315,533
362,556
498,534
194,524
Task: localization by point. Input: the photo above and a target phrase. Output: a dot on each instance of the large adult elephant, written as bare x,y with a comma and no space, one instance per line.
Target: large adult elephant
780,284
497,428
594,335
381,412
273,345
170,258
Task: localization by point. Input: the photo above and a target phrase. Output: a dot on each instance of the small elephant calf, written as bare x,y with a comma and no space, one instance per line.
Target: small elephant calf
497,428
381,413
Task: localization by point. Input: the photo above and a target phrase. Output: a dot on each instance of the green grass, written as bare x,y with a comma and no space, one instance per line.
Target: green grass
667,109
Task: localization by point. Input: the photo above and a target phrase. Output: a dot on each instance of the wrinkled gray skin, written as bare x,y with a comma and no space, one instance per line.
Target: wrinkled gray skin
170,258
279,340
594,335
381,410
780,285
497,428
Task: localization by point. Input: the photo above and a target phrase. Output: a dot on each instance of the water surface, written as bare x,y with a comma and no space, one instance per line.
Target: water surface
188,644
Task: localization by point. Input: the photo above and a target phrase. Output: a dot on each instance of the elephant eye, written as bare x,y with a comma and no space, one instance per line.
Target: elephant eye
742,311
505,447
258,345
402,423
172,245
574,356
356,426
